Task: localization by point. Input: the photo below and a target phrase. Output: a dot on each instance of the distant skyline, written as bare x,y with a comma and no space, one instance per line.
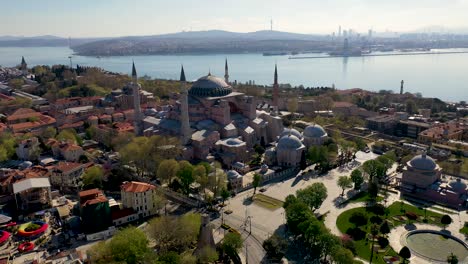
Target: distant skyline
112,18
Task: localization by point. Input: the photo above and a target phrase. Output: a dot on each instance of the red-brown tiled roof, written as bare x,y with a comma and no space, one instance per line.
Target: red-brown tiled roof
89,192
122,213
137,187
67,166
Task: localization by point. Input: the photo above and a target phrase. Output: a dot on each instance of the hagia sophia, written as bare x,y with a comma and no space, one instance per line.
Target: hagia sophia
214,121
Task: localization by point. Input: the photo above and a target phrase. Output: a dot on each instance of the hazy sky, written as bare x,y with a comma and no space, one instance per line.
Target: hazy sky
87,18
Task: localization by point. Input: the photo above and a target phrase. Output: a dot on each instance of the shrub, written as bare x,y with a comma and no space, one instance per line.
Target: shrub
348,242
383,242
32,227
356,233
275,246
377,209
358,219
376,220
411,215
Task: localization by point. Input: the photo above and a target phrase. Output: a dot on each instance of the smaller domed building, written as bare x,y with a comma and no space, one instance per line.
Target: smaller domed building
314,135
421,172
422,179
289,151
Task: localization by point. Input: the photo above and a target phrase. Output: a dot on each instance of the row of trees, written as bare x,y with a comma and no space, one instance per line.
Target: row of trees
316,240
181,174
172,238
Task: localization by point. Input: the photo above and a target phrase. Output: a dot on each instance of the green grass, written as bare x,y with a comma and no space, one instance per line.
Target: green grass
363,197
267,201
464,230
396,210
93,90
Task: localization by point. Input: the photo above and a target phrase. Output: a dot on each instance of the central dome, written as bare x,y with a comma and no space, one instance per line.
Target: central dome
210,86
291,131
423,162
289,142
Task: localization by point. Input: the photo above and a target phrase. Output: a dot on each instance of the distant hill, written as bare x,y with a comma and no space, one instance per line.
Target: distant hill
211,41
41,41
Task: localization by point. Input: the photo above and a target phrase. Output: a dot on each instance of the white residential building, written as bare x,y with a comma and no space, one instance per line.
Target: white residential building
140,197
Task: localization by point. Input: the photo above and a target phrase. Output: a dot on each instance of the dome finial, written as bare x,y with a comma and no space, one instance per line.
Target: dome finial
209,71
423,155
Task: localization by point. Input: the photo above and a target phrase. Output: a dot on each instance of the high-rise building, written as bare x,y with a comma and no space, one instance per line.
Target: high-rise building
339,31
401,87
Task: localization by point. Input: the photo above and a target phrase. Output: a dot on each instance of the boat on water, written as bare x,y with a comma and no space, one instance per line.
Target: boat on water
274,53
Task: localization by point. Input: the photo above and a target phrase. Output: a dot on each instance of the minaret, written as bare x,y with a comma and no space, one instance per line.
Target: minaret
184,115
138,122
24,66
276,90
401,87
226,72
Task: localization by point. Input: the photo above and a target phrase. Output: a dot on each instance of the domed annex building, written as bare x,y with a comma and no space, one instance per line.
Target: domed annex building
421,179
292,145
314,135
213,119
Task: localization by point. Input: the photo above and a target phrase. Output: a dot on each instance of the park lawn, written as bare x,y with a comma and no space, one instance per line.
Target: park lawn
464,230
267,201
396,210
363,197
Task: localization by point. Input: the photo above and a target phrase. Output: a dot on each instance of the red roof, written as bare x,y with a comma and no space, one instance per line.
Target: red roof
136,187
94,191
122,213
67,166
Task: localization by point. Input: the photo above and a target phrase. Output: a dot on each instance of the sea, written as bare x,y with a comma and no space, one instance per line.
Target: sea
444,76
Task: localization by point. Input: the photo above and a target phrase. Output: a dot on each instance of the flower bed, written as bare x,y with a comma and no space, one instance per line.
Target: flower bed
4,236
32,229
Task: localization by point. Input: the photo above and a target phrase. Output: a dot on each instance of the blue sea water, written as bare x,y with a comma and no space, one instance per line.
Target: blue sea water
444,76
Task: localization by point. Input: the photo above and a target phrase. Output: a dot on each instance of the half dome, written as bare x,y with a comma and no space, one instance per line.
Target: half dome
292,131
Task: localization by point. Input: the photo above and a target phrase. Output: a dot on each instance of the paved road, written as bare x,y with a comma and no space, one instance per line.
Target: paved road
252,246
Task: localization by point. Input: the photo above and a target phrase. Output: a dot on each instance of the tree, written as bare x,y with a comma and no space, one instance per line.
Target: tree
174,233
232,242
130,245
68,135
297,213
225,194
207,255
446,220
159,199
257,180
411,107
313,196
356,177
343,256
373,190
167,170
7,146
49,132
275,247
328,243
185,174
385,228
344,182
405,253
452,259
374,168
93,178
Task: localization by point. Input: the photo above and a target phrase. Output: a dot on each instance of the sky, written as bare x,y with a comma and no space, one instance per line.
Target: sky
111,18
